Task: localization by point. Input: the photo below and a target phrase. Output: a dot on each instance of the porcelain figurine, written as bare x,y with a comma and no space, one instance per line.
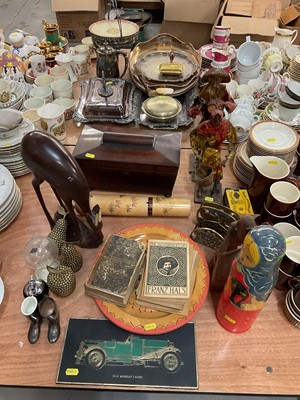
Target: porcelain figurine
254,273
11,66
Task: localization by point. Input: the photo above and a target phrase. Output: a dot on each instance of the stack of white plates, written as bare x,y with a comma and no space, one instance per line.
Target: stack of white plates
10,198
10,155
266,138
273,138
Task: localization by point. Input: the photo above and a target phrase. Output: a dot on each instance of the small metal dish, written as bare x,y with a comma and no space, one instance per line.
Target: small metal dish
161,108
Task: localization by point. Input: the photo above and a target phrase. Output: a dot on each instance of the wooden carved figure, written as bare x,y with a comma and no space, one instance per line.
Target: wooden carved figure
49,161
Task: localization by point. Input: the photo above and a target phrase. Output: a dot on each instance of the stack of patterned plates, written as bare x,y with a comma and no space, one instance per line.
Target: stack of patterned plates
10,155
147,57
294,68
10,198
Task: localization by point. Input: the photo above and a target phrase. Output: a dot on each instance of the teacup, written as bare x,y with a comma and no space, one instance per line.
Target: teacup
89,42
282,198
62,88
241,123
272,60
249,53
52,120
42,92
288,108
244,90
231,87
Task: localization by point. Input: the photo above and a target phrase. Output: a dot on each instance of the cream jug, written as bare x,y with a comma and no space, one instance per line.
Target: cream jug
284,37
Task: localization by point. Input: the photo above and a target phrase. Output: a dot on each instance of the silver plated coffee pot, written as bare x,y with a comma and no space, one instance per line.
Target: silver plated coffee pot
107,64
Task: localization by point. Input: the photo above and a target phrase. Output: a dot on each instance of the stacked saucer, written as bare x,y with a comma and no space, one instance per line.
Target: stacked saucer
273,138
10,147
10,198
294,68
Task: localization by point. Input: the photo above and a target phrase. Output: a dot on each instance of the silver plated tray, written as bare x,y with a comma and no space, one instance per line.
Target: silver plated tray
149,66
181,120
113,100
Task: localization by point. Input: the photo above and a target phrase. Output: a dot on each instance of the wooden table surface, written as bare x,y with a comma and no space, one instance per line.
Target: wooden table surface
264,360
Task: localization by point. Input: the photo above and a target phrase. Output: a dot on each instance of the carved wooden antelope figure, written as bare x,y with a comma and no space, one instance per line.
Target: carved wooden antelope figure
49,161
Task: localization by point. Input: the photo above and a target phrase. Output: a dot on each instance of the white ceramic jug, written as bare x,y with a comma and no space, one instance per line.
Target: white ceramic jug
284,37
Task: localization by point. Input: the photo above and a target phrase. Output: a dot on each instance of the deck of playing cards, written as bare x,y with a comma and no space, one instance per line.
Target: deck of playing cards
116,270
168,279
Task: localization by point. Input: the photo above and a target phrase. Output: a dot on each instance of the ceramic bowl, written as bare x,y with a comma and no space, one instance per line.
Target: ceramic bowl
161,108
9,119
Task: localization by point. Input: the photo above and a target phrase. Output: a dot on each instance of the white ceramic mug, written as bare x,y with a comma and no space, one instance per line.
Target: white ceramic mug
44,80
38,64
62,88
43,92
52,120
65,60
33,103
68,104
85,50
32,115
59,72
81,65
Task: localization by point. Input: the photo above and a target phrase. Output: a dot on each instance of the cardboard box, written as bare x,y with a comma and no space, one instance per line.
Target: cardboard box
191,23
75,16
290,19
259,28
197,11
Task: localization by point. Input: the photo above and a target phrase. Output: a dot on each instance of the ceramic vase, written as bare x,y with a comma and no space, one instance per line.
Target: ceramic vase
253,275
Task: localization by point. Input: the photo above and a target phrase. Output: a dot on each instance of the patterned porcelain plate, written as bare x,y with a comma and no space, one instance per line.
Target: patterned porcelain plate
144,321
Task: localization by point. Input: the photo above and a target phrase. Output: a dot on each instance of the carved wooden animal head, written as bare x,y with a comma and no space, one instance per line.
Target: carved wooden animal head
49,161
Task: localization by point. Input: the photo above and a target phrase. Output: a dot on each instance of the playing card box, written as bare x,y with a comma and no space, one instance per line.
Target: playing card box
167,273
116,270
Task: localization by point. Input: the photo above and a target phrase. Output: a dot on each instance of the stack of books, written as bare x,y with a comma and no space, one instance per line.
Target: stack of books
116,270
168,279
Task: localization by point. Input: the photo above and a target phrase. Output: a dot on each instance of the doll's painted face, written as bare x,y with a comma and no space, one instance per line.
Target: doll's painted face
249,254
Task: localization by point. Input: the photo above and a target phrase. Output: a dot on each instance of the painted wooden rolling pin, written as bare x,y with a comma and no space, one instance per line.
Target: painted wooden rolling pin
140,206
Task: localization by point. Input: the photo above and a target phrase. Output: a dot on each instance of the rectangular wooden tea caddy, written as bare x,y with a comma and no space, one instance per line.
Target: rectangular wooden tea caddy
143,162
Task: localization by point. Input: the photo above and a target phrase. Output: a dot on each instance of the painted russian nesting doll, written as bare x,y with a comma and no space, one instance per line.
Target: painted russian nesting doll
253,275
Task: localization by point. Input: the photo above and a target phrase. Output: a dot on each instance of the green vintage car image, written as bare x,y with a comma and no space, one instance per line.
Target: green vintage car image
133,351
